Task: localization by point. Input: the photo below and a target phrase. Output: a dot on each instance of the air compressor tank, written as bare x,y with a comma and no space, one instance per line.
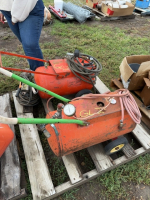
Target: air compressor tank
62,81
6,136
68,138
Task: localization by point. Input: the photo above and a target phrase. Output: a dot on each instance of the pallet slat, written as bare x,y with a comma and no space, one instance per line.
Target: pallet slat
72,168
70,162
128,151
100,159
94,173
141,106
124,159
104,17
102,162
41,183
10,165
143,137
143,12
100,86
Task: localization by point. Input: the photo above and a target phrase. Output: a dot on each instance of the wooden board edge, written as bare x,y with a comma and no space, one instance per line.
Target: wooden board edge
94,174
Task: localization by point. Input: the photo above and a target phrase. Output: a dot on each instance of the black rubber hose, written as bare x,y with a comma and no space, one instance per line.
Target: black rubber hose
27,98
84,73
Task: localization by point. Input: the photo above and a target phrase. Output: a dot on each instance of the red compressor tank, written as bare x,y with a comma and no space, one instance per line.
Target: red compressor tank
6,136
69,138
62,81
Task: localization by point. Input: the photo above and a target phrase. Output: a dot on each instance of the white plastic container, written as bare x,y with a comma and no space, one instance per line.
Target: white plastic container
122,2
107,2
58,5
128,1
124,6
114,5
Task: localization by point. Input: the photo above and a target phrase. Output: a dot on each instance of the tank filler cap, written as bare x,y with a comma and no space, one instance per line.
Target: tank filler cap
69,110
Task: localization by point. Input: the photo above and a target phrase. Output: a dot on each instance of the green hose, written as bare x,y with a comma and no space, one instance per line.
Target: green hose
49,121
39,88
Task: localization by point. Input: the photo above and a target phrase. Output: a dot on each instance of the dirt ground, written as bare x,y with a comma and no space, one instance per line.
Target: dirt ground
140,26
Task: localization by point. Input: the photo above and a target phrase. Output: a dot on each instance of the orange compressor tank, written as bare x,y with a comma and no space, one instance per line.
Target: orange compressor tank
69,138
62,81
6,136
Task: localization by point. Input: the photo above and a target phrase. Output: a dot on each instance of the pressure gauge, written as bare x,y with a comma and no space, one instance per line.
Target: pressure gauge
69,110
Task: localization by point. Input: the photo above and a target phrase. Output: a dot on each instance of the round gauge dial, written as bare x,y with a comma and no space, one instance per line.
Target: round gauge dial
69,110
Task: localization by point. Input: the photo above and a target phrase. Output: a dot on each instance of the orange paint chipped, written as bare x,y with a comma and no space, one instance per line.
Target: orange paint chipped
102,127
65,82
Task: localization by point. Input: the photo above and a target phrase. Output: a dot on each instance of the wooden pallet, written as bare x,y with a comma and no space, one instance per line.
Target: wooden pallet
40,179
104,17
10,177
142,12
117,84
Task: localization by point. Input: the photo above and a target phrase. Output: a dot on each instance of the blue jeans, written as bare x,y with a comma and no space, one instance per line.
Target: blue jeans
28,32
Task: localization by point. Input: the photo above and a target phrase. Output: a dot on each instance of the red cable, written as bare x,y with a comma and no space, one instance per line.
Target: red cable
23,70
22,56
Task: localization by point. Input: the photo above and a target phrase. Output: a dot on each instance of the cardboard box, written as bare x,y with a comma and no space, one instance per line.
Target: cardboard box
145,94
136,78
92,3
115,12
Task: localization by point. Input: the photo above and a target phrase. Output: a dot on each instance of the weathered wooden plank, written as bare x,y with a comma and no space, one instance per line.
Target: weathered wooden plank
22,194
128,151
41,183
72,168
146,120
50,106
124,159
10,165
100,159
143,137
94,173
70,162
142,107
100,86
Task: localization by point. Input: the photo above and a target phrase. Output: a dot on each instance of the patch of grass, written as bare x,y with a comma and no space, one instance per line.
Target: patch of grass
55,164
108,45
137,171
70,195
84,160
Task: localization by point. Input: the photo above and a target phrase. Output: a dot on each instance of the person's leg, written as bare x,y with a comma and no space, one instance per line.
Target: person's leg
30,31
14,28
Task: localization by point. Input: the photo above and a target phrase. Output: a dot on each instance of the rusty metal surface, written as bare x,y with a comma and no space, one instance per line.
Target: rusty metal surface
64,83
102,127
